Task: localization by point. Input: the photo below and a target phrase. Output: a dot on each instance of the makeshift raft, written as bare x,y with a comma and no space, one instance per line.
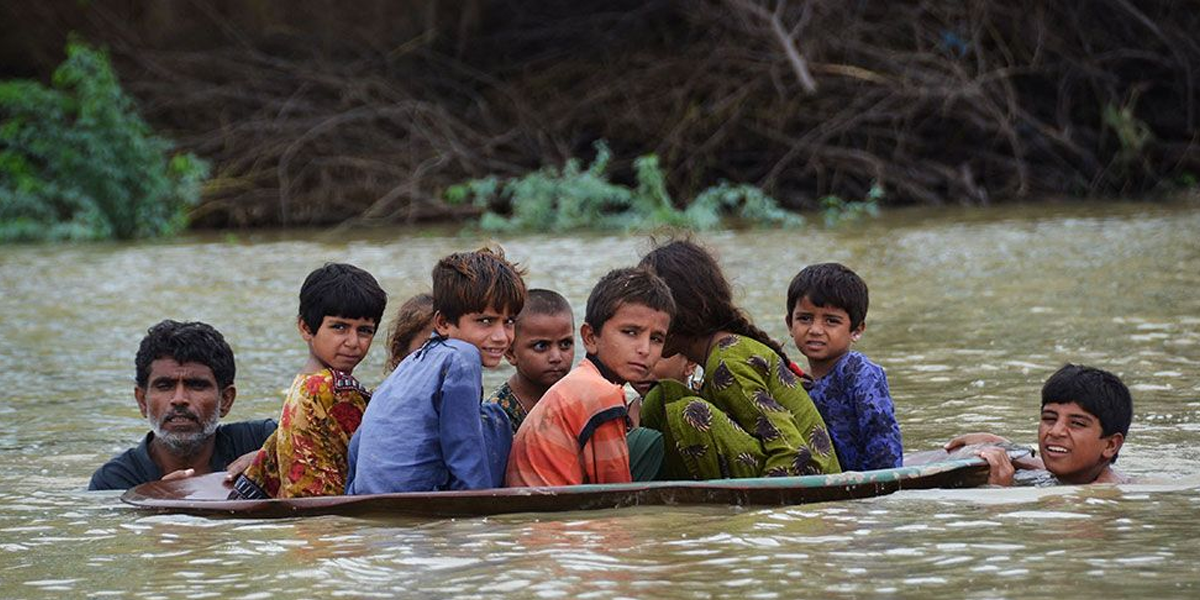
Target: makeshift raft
206,495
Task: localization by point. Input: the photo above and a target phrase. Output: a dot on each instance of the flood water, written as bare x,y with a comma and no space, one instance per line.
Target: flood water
970,311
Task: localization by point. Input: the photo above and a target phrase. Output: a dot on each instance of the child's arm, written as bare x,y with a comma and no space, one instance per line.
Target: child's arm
460,429
880,433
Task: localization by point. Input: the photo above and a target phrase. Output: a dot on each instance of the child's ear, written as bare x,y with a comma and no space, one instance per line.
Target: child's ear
1113,445
441,324
858,331
589,337
304,330
511,356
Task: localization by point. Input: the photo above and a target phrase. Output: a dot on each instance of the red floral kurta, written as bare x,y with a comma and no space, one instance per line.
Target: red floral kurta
306,456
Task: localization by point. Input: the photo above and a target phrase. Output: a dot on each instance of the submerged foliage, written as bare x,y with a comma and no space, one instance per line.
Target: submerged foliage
574,197
77,162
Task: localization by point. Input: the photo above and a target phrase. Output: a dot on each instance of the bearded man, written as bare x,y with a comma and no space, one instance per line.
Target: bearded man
184,386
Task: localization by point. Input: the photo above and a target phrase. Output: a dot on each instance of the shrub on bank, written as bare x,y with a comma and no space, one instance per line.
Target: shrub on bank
77,162
574,197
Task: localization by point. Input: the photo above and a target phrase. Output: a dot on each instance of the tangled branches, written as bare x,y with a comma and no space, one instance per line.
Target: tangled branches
936,101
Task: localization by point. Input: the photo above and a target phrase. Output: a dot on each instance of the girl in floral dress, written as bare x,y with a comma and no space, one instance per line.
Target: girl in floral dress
340,309
751,417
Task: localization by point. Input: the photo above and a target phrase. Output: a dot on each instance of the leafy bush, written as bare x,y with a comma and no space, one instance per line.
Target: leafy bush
574,197
836,211
77,162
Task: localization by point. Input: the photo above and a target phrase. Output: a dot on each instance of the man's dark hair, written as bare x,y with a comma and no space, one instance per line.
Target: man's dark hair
471,282
635,285
545,302
1095,390
186,342
340,290
830,284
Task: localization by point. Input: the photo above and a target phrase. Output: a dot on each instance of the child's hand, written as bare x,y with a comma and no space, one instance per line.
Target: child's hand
1000,467
239,464
969,439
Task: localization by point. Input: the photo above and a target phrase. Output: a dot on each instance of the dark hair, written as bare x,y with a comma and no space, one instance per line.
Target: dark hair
830,284
1095,390
185,342
634,285
703,298
467,282
544,302
340,290
414,315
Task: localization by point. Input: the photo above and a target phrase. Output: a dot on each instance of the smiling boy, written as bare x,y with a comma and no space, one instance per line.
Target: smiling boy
1085,417
827,310
426,429
577,432
542,351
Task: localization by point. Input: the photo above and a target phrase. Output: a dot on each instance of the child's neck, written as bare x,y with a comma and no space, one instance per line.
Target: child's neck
821,368
605,372
316,365
527,392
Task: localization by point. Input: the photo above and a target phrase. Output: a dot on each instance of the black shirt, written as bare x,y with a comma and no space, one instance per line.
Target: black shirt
134,466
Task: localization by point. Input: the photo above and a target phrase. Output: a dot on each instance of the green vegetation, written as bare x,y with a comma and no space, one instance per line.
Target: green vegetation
575,197
835,210
78,163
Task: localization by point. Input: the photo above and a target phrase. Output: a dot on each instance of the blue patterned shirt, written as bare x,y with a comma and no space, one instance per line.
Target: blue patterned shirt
854,401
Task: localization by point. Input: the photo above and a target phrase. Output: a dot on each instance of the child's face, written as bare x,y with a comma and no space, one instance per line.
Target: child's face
677,367
543,348
630,343
1071,442
491,331
822,334
340,343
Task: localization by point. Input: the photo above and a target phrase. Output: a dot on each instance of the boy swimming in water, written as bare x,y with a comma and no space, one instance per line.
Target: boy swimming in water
1085,417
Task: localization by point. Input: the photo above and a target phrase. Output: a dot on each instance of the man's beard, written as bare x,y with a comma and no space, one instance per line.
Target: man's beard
184,444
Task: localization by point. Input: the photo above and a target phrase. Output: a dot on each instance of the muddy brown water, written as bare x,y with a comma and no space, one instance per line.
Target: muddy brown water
970,311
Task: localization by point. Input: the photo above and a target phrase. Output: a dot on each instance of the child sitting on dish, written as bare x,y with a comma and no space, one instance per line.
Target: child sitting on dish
542,351
826,315
427,427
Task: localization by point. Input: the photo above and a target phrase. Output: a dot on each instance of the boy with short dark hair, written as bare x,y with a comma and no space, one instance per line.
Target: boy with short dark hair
1085,417
340,309
542,351
826,312
426,429
577,432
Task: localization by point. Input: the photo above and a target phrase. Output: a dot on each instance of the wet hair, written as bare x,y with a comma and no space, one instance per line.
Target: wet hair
545,302
1095,390
185,342
471,282
340,290
634,285
703,297
830,284
414,315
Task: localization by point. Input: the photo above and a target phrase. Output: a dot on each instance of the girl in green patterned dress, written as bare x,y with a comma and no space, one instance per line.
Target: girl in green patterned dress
752,417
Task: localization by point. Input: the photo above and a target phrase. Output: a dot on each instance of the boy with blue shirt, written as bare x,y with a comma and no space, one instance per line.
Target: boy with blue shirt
425,428
827,305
